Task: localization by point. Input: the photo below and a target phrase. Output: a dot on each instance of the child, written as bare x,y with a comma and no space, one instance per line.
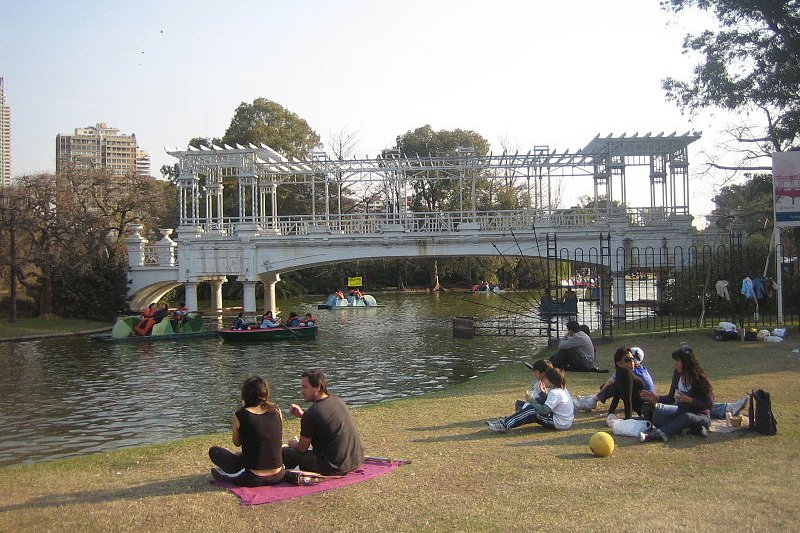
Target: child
538,392
556,412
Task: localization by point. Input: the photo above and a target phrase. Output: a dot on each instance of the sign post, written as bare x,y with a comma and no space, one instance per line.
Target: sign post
786,199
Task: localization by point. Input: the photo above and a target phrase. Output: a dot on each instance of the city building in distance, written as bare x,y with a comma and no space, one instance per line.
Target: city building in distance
5,139
101,147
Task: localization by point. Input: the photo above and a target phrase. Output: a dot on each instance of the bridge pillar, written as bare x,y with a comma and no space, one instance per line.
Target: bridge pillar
269,280
135,244
166,248
216,293
619,296
249,303
191,295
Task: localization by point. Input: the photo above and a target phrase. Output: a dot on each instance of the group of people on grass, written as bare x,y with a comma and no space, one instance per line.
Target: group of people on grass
687,408
328,443
269,320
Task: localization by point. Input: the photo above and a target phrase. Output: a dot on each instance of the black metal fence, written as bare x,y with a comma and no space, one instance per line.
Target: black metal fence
657,289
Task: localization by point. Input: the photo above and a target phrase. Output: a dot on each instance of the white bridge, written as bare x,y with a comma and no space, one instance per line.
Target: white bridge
361,209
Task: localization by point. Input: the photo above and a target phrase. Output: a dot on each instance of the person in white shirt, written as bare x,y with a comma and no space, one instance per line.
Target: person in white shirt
557,412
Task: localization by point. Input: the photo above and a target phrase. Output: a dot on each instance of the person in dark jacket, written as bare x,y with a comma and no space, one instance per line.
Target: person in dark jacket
690,396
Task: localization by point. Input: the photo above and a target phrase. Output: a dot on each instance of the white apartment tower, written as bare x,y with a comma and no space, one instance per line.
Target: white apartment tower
98,147
5,139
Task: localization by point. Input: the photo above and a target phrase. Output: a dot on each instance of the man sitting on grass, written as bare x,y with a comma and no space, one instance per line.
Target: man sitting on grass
328,442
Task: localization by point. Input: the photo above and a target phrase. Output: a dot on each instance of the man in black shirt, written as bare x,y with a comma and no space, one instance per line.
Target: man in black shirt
328,442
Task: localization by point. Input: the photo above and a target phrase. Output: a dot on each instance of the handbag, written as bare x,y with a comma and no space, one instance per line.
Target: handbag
301,477
631,427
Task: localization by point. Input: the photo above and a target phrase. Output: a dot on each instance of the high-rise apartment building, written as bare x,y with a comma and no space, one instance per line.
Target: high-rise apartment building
98,147
142,164
5,139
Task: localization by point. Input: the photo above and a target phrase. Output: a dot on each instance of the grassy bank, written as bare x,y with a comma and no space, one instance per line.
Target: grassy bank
463,478
42,326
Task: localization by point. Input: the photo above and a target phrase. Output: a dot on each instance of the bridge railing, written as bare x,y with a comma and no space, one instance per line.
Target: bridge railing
442,221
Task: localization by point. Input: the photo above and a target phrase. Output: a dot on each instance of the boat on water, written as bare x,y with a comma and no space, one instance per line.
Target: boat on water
279,333
191,327
350,302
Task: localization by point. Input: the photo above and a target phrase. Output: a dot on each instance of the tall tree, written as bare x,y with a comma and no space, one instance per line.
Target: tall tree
437,190
750,64
267,122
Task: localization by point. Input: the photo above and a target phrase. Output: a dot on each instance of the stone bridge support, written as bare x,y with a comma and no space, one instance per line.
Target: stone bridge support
270,279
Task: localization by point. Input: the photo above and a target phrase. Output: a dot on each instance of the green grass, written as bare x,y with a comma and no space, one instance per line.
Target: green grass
462,477
44,326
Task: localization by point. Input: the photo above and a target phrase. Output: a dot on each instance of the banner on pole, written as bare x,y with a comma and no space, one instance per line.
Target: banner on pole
354,281
786,188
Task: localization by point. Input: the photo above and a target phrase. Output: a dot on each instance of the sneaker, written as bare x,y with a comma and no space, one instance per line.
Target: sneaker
496,426
586,403
736,407
648,436
703,431
662,435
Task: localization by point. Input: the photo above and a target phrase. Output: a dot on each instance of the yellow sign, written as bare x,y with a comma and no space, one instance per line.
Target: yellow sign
354,282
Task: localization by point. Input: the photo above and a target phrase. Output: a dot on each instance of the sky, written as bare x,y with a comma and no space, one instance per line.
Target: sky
520,73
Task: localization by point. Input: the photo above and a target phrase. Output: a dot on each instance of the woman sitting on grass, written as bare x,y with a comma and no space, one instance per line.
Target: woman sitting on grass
555,413
690,396
627,387
258,429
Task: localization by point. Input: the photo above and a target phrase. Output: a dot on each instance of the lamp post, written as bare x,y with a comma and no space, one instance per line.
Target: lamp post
9,220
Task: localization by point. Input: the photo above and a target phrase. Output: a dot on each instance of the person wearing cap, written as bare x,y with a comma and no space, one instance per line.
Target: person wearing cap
575,350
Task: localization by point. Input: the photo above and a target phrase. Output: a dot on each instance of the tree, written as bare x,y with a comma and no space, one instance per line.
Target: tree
437,190
267,122
72,252
750,204
751,63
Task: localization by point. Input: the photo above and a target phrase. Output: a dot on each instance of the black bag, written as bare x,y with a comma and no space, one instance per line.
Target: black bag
760,413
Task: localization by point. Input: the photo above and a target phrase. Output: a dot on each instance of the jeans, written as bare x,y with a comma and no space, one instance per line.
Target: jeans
671,423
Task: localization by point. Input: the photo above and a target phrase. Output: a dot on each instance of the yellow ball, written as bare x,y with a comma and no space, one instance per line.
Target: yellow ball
601,444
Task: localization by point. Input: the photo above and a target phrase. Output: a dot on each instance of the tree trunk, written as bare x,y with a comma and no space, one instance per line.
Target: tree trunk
435,286
401,286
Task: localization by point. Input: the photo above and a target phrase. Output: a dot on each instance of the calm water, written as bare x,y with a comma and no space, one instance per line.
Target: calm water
73,396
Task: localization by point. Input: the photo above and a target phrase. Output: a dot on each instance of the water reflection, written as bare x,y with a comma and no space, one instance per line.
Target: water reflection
72,396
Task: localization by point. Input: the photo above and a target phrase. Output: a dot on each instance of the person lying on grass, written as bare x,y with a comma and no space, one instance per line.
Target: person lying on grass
555,413
691,395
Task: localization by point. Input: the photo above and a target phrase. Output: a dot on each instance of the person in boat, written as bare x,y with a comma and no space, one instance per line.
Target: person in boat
357,293
328,441
258,428
308,320
340,295
179,316
575,350
269,321
146,323
547,303
161,312
569,302
240,323
294,320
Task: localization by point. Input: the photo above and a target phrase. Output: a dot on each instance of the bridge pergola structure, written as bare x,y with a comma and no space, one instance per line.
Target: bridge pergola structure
384,186
386,182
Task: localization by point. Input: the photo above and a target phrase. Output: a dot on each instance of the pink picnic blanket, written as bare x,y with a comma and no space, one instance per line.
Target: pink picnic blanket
284,490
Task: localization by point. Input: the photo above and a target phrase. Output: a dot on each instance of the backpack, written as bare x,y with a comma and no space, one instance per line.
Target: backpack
760,413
